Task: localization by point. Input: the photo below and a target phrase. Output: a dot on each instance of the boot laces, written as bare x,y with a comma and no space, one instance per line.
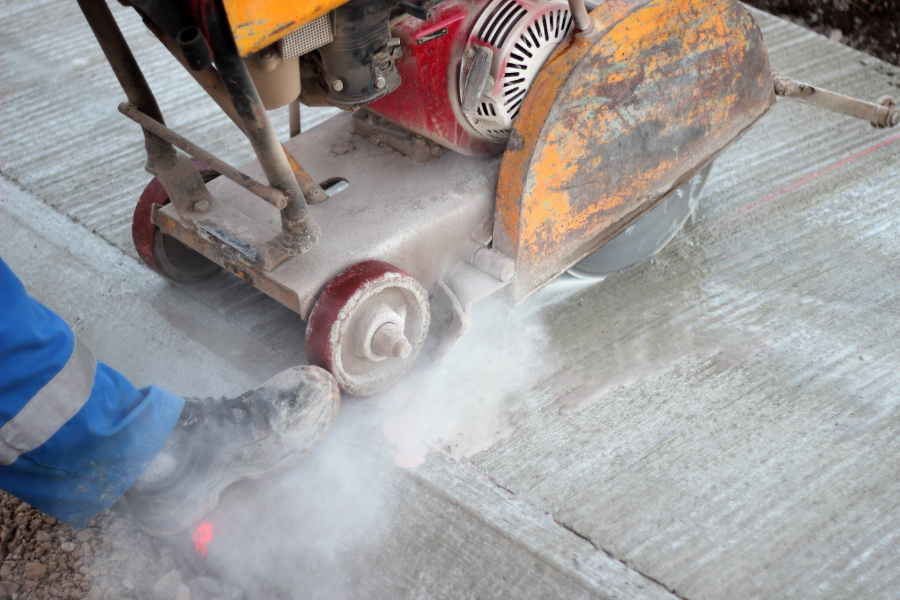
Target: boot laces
198,412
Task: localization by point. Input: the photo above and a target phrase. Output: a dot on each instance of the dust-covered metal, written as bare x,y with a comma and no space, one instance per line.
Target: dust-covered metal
162,253
384,214
494,264
449,320
579,14
383,133
272,196
299,231
368,326
294,118
183,184
621,115
882,115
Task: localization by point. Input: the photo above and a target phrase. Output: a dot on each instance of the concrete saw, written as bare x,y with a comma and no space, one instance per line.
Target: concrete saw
486,147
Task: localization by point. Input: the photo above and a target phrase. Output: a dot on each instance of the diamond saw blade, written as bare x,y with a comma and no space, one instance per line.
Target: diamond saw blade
648,235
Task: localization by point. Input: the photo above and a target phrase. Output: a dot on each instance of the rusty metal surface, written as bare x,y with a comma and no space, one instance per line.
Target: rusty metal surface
622,114
385,214
270,195
767,476
312,191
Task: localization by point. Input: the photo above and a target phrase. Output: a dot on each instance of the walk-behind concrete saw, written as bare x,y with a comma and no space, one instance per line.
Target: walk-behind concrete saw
488,147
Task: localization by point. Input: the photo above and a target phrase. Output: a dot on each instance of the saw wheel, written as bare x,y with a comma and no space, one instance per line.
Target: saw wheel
648,235
162,253
368,326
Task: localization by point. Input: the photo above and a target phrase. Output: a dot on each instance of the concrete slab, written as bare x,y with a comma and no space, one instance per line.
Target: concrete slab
720,421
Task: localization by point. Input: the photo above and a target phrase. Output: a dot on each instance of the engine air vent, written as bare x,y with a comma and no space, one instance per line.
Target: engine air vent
521,35
311,36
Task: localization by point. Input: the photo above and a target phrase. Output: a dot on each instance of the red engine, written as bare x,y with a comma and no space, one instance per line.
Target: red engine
465,72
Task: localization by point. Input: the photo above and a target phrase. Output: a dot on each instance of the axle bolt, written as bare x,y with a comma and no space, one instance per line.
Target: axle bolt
390,342
380,83
201,206
337,85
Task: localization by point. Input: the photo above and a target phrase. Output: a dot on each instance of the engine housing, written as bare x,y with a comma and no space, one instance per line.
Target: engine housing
465,72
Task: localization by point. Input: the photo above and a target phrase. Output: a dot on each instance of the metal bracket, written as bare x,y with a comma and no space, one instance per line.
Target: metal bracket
274,197
452,302
383,133
449,320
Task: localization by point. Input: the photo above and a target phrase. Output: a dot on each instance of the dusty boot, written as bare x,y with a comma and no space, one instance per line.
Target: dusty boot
218,442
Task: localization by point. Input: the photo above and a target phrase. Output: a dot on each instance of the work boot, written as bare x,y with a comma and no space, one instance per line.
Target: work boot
219,442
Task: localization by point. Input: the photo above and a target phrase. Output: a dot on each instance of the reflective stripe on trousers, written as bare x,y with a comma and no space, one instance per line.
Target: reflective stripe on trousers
74,433
51,407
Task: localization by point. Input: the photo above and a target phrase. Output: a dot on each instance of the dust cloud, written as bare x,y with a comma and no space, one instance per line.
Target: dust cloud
459,406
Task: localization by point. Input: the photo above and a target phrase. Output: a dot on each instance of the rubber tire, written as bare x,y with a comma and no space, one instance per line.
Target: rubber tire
333,318
654,230
164,254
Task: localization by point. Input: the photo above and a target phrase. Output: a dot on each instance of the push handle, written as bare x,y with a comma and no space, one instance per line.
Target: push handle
881,115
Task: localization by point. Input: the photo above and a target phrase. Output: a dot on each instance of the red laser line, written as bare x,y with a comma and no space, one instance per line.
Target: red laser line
808,178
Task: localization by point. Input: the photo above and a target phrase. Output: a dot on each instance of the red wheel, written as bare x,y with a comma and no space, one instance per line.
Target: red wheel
162,253
368,326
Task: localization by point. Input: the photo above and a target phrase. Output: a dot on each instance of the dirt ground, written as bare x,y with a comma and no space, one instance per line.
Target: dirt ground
41,558
872,26
109,559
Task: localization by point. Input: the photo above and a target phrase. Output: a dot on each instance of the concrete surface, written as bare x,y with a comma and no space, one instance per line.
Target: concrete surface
718,422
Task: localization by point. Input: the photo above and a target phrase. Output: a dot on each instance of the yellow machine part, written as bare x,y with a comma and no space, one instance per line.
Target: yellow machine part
258,23
619,117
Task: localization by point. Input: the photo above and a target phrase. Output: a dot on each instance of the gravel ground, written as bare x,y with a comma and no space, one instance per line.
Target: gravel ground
109,559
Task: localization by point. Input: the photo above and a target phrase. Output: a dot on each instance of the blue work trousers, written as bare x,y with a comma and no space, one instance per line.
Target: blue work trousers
74,433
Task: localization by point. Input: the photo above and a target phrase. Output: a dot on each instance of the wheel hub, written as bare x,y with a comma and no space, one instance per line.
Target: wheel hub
368,327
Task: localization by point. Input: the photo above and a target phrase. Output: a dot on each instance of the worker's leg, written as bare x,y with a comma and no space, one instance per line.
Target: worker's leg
74,433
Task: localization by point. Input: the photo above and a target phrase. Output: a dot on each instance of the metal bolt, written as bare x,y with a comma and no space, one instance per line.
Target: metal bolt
337,85
380,83
266,54
470,53
342,147
390,342
201,206
437,150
